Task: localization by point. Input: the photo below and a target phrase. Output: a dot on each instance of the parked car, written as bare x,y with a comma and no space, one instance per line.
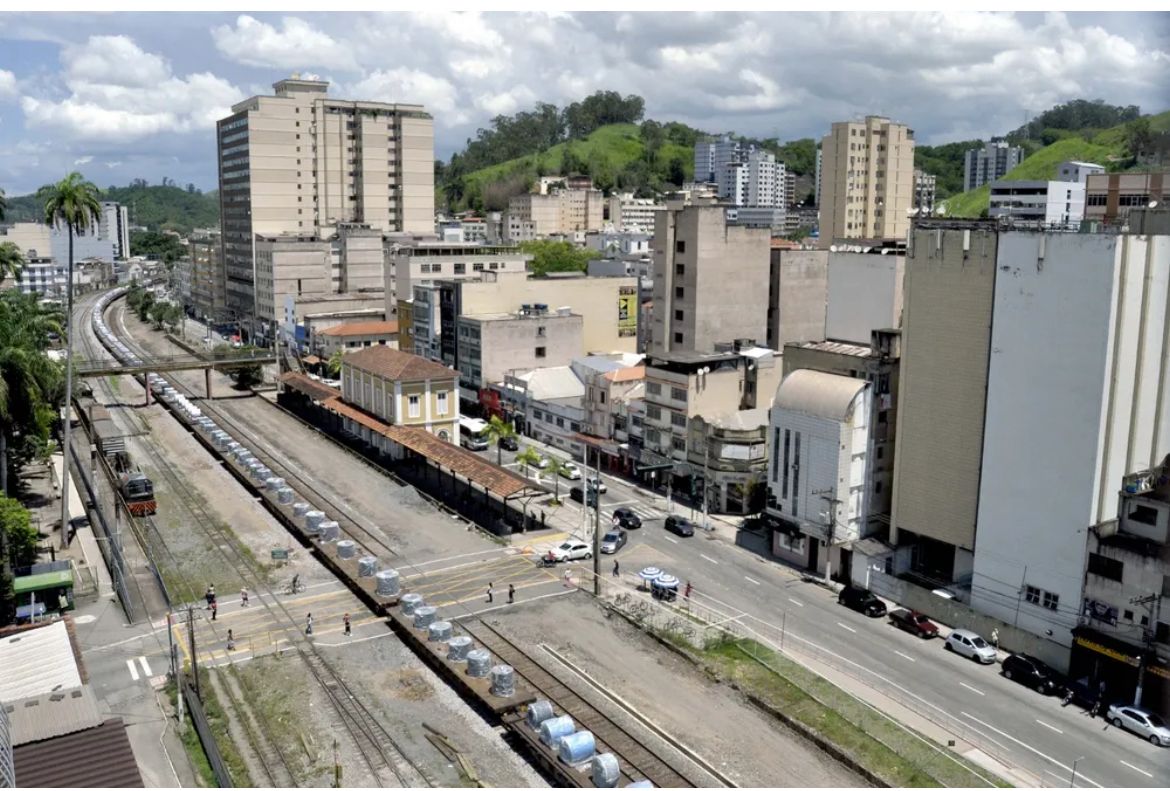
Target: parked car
966,643
914,622
679,526
571,471
861,600
624,517
543,463
508,443
612,541
572,550
1031,672
578,494
593,482
1143,722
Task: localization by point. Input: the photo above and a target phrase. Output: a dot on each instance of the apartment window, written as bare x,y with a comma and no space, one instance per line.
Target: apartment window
477,267
441,403
540,332
560,422
412,405
1051,601
678,443
678,292
679,269
1105,567
653,388
678,315
678,419
540,351
678,337
537,414
877,487
653,412
460,269
602,394
678,394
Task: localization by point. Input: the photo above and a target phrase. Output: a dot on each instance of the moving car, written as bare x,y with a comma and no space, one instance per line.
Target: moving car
624,517
593,482
578,494
1143,722
508,443
571,471
914,622
572,550
613,541
861,600
542,464
966,643
680,526
1031,672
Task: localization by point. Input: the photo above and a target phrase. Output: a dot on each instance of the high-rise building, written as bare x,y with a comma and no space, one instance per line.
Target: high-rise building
867,180
990,163
925,186
1037,202
302,163
114,225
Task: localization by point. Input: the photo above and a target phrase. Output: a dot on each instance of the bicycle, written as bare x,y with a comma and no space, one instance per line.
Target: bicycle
295,586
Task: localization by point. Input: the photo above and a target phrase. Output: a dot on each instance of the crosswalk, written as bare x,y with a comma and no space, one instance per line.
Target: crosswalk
645,511
132,665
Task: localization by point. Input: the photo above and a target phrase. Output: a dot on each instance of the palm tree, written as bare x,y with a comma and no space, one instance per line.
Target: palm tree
555,467
528,457
11,260
74,203
3,204
497,430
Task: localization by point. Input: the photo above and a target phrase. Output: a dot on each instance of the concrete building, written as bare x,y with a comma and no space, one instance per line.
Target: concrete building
287,265
710,280
557,212
302,163
865,292
634,215
1044,203
621,244
775,219
208,285
819,471
1111,196
529,337
409,261
798,287
114,225
867,180
817,177
40,241
347,337
989,163
547,404
611,383
1077,171
925,187
403,390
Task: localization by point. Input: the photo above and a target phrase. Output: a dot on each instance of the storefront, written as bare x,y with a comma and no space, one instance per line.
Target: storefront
1098,657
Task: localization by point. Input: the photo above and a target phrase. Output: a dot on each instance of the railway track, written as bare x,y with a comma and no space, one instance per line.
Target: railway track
379,751
635,757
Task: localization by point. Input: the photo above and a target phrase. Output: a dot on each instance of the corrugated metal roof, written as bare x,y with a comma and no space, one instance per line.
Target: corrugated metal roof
819,394
98,757
546,384
362,328
838,347
36,661
52,714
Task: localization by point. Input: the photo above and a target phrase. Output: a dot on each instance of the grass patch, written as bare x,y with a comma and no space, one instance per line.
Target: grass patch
875,742
270,695
190,740
217,720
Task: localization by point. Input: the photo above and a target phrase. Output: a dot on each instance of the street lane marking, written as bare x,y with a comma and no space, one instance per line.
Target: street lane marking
145,667
1030,747
133,670
847,628
712,560
968,686
1143,771
1050,727
794,601
905,656
752,581
671,540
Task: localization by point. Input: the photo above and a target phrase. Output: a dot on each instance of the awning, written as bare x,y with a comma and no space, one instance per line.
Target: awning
311,359
310,387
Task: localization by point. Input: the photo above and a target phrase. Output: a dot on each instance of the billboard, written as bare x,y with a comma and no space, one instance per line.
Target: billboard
627,311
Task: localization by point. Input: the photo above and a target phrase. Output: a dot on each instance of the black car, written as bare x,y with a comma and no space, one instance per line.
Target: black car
624,517
1031,672
509,443
861,600
578,494
680,526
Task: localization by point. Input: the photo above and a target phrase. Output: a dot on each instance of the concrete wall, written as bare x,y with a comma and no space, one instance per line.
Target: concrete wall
797,296
864,294
508,344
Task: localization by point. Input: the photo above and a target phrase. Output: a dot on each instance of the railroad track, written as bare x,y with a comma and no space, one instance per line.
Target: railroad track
635,757
378,748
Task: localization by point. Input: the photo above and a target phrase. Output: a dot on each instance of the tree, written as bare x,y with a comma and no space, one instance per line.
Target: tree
145,306
11,261
334,364
164,247
497,430
653,136
72,202
555,467
551,256
528,457
18,547
1139,138
677,171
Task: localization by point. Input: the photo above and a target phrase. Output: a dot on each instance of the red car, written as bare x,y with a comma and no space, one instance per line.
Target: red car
914,622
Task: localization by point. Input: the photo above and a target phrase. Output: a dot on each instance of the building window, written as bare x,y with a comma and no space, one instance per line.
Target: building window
1031,594
678,292
460,269
1105,567
679,269
540,332
537,414
678,337
678,443
560,422
680,246
540,351
678,394
653,388
653,412
678,419
602,394
678,315
413,406
441,398
1051,601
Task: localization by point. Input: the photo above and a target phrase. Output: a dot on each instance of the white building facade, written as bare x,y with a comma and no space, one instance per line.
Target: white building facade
1038,202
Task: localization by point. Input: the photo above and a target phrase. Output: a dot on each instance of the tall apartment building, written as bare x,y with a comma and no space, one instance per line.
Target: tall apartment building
867,180
409,261
303,163
556,212
745,176
990,163
208,295
627,213
925,186
710,280
114,225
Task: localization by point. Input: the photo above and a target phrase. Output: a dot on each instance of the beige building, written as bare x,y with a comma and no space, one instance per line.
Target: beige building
354,336
403,390
797,296
410,261
710,280
302,163
492,344
628,213
558,212
867,180
610,385
1110,196
208,295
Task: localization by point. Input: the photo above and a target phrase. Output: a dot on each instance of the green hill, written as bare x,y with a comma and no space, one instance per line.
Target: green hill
1106,148
155,206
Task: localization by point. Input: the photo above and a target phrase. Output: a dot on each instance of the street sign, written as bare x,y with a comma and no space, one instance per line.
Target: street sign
280,554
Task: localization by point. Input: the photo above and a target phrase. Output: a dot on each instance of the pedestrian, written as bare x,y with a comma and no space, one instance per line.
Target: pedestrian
511,593
243,597
490,593
345,618
995,638
687,590
616,572
568,579
209,596
231,640
214,609
309,624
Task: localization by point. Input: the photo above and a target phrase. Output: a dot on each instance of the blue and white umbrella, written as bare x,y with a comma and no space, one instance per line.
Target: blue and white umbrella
650,573
665,581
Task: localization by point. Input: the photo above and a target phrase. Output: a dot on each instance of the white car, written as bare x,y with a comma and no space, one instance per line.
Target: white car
1144,723
572,550
593,482
966,643
571,471
542,464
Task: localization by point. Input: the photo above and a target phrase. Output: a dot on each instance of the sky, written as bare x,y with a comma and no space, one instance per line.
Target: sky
121,96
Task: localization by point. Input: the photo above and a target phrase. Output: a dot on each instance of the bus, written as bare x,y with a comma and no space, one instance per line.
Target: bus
473,433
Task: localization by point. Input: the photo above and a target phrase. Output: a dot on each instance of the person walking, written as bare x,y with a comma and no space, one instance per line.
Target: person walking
568,579
687,590
345,618
995,639
209,596
616,572
243,597
490,593
231,644
511,593
309,624
214,608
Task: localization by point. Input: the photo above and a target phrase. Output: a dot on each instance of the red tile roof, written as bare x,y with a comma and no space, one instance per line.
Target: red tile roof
361,328
397,365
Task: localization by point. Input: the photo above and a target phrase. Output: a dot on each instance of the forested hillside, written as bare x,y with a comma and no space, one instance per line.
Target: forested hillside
158,207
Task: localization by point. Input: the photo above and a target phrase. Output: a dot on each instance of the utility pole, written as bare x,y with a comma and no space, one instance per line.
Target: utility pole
706,472
194,656
596,522
1153,605
827,496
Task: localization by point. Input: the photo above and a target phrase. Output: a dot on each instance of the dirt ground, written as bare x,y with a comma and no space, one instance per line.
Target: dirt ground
753,749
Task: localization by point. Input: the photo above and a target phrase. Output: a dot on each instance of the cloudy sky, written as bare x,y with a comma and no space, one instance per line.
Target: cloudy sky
128,95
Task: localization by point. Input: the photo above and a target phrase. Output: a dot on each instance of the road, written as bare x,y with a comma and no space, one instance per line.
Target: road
1014,724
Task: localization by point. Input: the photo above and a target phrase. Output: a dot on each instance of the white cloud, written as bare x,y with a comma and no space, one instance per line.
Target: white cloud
113,60
295,45
411,86
7,83
85,160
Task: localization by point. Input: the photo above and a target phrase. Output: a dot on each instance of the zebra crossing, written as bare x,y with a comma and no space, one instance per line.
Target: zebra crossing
645,511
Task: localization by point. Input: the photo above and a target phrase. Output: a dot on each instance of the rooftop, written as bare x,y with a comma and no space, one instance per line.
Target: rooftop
361,328
819,394
37,661
51,714
98,757
398,365
836,347
628,374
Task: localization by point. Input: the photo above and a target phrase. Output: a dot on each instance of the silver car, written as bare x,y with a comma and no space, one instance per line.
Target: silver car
966,643
1144,723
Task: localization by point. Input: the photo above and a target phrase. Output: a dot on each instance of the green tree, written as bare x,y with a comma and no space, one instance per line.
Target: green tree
334,364
18,547
1139,137
72,202
555,467
527,457
653,135
552,256
164,247
498,429
11,261
145,306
